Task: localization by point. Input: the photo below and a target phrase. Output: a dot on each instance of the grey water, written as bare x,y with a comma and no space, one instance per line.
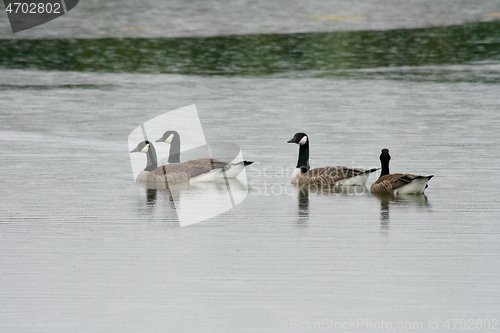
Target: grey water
84,249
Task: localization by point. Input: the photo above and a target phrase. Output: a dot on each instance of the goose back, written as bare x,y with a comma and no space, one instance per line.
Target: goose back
208,162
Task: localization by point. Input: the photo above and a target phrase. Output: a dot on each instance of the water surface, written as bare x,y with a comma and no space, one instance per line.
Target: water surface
85,249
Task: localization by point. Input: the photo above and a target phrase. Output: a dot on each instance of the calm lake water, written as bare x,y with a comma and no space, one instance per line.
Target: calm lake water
83,249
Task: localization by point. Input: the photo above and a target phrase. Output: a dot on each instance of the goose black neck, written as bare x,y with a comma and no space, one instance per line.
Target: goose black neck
175,150
303,161
385,166
152,162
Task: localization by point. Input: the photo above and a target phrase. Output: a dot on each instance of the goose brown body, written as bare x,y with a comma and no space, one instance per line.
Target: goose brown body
173,138
330,175
174,173
389,183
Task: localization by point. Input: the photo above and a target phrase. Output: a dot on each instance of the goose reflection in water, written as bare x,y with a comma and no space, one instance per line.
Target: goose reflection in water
194,202
317,189
151,195
399,200
158,204
303,203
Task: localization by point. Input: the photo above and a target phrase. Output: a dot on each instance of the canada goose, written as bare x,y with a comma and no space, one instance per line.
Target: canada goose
231,170
397,182
171,173
337,175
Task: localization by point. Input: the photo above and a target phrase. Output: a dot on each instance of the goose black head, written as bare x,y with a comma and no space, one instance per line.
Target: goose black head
168,136
142,147
384,156
384,161
299,138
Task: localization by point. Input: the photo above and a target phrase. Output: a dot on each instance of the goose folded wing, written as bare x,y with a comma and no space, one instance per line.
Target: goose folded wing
208,162
336,173
398,180
181,169
329,175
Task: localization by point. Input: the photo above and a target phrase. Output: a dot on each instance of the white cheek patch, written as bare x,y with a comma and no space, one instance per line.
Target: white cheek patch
169,139
303,141
145,149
